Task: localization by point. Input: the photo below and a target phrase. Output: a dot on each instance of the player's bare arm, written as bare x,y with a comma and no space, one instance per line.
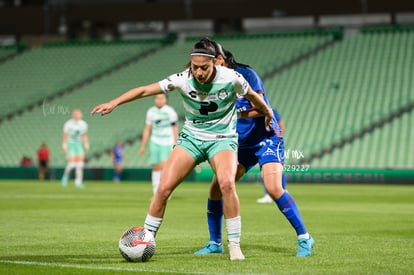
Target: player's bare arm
261,106
145,136
133,94
65,143
85,140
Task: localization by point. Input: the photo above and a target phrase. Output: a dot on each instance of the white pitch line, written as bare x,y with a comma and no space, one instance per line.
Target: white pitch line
133,269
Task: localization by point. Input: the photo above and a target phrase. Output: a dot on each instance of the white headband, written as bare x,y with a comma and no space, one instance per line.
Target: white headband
203,54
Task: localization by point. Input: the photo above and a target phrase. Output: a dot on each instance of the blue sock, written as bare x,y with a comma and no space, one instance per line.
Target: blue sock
284,181
117,175
287,206
215,219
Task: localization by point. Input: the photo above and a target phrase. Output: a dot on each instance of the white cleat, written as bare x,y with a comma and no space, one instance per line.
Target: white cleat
265,199
235,253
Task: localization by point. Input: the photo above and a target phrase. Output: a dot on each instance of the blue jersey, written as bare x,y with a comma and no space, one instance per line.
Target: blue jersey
252,130
118,151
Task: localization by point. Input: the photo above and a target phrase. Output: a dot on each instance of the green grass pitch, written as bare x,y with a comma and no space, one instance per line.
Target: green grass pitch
358,229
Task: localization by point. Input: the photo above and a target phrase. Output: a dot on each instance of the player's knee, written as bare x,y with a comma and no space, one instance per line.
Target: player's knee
163,192
275,191
227,185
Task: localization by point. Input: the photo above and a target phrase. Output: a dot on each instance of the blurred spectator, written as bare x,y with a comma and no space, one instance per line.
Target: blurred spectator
117,157
26,162
43,161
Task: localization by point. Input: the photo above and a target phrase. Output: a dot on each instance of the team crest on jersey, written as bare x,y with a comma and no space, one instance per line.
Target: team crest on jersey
223,94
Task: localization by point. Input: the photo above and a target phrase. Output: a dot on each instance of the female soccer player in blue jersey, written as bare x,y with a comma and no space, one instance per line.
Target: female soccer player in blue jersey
117,158
209,95
256,145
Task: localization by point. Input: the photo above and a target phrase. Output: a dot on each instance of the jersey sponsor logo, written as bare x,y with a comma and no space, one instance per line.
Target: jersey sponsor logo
199,94
193,94
212,97
207,107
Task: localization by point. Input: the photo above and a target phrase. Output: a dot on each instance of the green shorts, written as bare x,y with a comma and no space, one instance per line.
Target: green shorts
159,153
75,149
202,150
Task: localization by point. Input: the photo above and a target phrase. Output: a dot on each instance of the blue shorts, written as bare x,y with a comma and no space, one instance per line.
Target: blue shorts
268,150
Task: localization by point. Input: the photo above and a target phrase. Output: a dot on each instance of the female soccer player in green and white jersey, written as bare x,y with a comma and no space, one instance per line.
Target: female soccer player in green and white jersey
75,144
209,95
162,131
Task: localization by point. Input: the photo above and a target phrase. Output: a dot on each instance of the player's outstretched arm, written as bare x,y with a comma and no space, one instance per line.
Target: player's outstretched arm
133,94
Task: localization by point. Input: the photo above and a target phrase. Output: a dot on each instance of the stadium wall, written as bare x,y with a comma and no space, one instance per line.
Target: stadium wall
297,174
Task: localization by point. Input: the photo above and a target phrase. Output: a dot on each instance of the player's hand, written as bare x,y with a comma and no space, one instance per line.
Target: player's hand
103,109
141,151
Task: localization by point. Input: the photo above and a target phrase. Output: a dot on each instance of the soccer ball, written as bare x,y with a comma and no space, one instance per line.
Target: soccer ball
137,244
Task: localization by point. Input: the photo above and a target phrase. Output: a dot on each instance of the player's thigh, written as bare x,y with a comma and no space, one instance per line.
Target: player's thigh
224,165
272,178
176,168
247,159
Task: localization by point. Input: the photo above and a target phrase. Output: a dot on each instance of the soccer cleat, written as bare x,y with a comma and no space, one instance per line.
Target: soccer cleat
305,247
64,181
235,253
80,186
210,248
265,199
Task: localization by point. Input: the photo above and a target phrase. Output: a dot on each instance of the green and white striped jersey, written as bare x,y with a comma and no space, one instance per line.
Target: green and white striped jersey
161,121
75,130
210,109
